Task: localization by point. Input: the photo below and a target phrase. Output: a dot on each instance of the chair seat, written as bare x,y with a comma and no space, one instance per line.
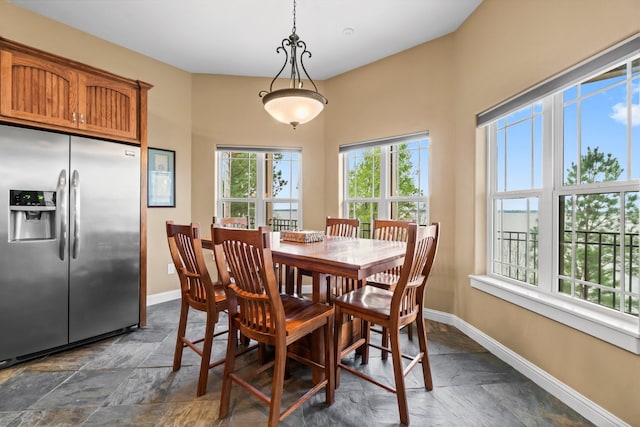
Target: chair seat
301,315
369,299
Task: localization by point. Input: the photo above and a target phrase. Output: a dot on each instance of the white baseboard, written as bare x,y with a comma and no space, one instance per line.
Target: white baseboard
585,407
163,297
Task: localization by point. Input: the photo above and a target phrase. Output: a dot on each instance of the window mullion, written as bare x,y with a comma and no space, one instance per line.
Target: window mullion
346,197
547,207
220,157
629,121
491,205
261,176
623,281
384,206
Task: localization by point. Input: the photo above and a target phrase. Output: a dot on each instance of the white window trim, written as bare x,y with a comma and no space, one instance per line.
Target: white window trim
385,200
260,200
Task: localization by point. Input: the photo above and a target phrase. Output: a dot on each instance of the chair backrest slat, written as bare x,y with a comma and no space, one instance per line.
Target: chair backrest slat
342,227
254,287
393,230
390,229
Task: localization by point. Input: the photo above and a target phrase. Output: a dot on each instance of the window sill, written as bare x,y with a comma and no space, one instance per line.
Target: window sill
624,333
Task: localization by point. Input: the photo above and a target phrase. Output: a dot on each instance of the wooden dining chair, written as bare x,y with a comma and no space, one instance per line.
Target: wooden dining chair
260,312
393,309
232,221
197,292
397,231
337,227
243,222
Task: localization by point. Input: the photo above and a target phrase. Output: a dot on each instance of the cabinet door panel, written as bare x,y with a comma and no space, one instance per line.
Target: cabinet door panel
107,106
38,90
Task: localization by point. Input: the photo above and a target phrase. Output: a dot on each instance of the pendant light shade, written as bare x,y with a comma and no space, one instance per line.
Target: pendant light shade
294,105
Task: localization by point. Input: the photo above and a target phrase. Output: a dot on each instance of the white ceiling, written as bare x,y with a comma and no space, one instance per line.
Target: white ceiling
240,37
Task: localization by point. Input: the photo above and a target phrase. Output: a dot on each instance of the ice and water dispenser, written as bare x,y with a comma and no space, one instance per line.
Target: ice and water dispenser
32,215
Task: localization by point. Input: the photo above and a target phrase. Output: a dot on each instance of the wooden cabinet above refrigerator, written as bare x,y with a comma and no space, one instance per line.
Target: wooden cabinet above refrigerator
47,91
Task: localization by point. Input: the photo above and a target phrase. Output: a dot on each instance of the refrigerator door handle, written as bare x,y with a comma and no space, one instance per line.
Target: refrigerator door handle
75,186
61,212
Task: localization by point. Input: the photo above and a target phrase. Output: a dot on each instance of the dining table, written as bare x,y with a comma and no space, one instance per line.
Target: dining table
344,258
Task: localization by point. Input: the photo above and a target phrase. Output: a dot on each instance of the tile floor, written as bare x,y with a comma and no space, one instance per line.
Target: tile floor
127,381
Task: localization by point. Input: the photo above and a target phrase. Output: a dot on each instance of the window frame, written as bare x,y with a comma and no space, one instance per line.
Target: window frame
387,159
610,325
260,200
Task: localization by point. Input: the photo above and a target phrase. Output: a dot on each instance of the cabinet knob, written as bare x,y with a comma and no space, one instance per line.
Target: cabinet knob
82,118
73,117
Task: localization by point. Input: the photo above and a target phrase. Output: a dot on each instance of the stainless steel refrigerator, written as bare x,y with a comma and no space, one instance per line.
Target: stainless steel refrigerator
69,240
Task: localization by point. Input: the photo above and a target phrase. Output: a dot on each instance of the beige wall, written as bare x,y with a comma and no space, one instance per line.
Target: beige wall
504,47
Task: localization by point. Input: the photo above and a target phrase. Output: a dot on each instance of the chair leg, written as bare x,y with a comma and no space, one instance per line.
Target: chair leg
262,356
206,355
337,343
277,385
398,373
299,282
410,331
244,340
182,329
366,331
385,343
329,360
424,349
225,393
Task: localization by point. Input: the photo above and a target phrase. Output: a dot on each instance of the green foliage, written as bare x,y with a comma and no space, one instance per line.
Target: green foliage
596,224
595,166
242,181
364,179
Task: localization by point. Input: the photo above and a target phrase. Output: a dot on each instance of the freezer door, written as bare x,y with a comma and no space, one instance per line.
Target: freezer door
33,260
104,239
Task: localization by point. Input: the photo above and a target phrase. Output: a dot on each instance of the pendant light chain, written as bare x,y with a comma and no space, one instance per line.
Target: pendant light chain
293,30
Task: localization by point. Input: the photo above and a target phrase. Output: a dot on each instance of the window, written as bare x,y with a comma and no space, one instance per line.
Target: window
261,184
563,203
387,179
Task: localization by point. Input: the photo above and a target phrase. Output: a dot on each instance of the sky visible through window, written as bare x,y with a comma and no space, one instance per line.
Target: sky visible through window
600,119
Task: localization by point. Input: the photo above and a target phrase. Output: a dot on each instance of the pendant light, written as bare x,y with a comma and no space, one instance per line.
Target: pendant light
294,105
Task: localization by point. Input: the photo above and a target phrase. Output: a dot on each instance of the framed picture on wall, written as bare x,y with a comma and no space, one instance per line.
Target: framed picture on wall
161,178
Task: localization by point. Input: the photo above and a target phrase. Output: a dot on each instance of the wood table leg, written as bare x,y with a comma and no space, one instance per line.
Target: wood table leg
317,340
289,284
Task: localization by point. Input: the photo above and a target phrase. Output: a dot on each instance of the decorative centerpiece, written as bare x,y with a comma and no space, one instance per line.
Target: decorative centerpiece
302,236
